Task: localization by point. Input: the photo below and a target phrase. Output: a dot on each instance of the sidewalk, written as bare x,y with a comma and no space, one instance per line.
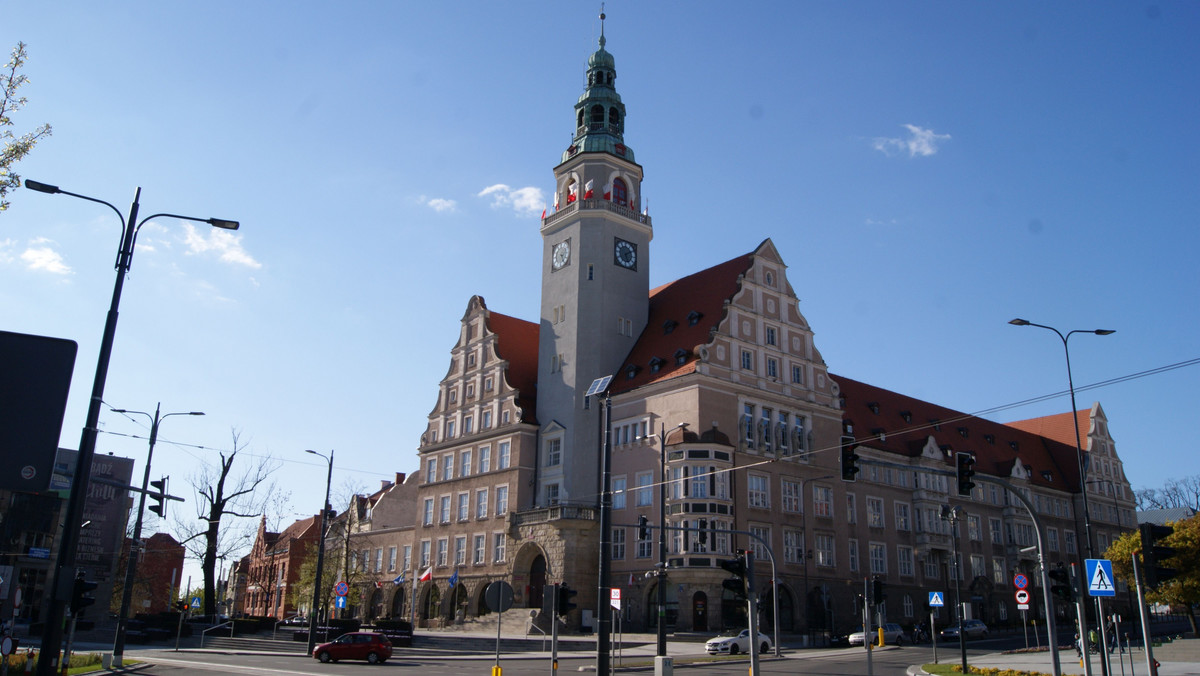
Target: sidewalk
1178,658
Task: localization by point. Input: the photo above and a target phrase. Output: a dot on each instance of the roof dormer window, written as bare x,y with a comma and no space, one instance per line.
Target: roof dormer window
907,415
694,317
681,356
669,326
963,432
656,364
874,406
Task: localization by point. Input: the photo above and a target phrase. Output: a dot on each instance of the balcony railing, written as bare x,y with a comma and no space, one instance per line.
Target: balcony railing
572,208
554,513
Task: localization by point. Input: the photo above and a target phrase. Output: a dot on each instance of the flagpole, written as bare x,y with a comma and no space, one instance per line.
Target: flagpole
412,603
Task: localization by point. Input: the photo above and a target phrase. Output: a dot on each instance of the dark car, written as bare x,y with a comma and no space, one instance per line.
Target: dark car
357,645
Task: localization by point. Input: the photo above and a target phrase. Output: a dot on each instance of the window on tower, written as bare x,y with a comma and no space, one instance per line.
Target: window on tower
620,194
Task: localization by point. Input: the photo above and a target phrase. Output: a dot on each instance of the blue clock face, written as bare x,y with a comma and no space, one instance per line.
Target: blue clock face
625,254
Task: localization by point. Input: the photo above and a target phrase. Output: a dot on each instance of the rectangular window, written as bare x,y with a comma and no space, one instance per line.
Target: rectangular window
391,558
793,546
407,562
747,360
431,470
378,559
501,500
791,492
756,544
851,509
772,336
994,526
618,488
450,428
1052,539
772,368
977,569
644,481
428,520
552,495
443,546
902,519
618,544
498,547
644,549
486,422
424,553
465,463
853,555
758,491
1069,541
485,459
553,452
444,511
797,374
875,512
904,560
481,503
973,528
460,550
480,550
468,421
823,501
447,467
502,460
825,556
998,572
464,506
878,558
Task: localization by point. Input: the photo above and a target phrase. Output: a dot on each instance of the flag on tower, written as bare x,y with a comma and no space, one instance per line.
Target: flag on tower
587,190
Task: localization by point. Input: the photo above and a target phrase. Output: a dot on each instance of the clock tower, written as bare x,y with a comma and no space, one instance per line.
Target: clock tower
595,286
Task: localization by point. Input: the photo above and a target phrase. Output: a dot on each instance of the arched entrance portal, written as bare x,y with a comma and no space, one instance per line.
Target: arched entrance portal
430,601
458,603
537,580
375,607
699,611
398,604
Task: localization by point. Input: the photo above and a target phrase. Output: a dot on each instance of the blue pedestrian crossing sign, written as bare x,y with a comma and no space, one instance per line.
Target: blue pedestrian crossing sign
935,600
1100,577
195,601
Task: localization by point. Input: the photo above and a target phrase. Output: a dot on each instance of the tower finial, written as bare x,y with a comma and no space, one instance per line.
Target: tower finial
602,40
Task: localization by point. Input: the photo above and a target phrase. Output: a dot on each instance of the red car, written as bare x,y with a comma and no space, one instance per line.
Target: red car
358,645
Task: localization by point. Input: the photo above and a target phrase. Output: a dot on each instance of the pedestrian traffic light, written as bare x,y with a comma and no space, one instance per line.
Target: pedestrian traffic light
849,459
966,469
160,498
643,528
565,604
737,583
1153,554
877,595
80,598
1060,584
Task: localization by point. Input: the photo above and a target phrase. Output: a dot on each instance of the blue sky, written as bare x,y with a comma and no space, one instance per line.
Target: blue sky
928,171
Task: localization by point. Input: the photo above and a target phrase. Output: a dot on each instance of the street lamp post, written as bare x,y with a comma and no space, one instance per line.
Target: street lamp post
135,544
807,553
312,613
1087,519
661,573
64,570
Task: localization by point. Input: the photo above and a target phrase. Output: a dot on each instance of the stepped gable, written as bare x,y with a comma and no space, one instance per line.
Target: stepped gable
903,425
517,343
670,328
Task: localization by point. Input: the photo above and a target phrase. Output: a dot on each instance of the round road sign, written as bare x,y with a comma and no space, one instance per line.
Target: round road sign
1022,596
1020,581
341,589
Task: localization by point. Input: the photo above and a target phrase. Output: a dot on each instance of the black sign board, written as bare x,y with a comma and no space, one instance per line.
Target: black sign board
35,378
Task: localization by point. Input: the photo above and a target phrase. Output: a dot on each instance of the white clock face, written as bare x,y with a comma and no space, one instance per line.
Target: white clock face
625,254
562,254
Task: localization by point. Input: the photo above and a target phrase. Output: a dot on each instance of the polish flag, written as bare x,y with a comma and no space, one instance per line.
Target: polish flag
427,575
608,194
378,584
587,191
543,213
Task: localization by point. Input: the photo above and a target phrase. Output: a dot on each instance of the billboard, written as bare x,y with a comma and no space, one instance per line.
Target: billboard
35,378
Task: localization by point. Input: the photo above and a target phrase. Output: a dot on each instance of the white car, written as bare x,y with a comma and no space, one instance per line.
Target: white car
892,635
732,644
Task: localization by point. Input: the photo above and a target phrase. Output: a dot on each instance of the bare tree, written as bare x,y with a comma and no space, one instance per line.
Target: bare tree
221,493
1182,492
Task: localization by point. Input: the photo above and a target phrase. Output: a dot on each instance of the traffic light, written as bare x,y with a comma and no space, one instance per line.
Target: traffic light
565,605
737,583
877,595
160,498
80,598
849,459
643,528
966,469
702,534
1060,584
1153,553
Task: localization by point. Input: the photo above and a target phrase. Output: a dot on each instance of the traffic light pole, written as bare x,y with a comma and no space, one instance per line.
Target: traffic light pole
1151,663
752,609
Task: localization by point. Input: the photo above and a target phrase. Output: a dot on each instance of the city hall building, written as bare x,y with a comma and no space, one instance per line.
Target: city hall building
720,398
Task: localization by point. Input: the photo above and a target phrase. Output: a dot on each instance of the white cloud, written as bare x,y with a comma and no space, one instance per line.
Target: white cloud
438,204
40,255
920,142
225,244
524,201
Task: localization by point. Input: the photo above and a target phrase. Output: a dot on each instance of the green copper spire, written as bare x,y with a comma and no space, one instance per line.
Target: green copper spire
599,113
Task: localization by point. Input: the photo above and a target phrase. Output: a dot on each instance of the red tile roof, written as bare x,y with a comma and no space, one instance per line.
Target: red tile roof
704,293
1059,427
517,342
900,424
